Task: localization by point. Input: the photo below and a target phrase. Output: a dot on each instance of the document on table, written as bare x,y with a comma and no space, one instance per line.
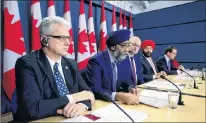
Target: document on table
154,98
163,84
183,77
110,113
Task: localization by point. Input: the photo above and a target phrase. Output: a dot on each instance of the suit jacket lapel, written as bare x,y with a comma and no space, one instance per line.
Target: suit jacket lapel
108,64
148,63
44,63
69,78
166,63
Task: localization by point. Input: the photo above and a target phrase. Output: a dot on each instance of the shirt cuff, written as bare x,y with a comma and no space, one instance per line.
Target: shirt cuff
113,95
70,98
154,77
131,86
178,71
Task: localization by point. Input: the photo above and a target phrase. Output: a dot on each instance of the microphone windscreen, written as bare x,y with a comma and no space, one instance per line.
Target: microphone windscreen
162,76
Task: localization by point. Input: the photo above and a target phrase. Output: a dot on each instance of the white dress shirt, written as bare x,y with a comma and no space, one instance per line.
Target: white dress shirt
51,62
152,65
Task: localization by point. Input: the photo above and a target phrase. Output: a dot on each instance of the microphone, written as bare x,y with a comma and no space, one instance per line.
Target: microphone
108,98
180,102
195,86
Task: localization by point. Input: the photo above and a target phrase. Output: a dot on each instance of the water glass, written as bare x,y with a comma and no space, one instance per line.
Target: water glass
173,96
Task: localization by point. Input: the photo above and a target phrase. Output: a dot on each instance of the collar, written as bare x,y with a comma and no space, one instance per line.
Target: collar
110,56
167,59
51,62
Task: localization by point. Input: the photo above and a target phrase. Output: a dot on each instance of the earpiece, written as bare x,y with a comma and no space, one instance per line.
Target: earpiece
45,41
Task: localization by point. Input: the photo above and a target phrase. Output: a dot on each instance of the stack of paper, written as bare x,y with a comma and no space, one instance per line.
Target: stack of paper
163,84
182,77
111,113
154,98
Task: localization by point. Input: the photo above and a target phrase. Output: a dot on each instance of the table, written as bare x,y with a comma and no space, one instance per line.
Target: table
200,83
192,111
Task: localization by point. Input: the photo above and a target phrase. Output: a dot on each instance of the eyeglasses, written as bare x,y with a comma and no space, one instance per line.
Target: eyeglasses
61,37
125,45
135,45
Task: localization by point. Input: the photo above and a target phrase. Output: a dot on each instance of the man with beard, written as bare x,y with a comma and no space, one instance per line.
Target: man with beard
149,66
165,62
102,71
130,68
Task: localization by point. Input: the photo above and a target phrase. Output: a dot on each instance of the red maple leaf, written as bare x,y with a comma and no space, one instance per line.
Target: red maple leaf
82,37
35,39
102,43
12,34
91,41
71,47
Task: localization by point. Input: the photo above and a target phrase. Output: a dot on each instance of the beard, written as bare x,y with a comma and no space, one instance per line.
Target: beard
119,56
147,54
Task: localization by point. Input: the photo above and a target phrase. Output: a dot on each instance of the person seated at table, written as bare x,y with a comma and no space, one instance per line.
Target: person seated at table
48,83
130,68
165,63
148,65
102,71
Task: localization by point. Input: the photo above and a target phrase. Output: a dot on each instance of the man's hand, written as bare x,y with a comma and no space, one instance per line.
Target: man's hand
162,73
72,110
84,95
180,67
134,91
127,98
158,75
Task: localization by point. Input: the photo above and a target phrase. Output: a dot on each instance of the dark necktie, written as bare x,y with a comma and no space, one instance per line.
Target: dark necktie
133,71
169,65
114,71
61,86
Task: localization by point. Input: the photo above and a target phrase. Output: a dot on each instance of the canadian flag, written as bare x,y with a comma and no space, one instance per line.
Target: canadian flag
103,30
114,25
51,8
35,23
120,20
13,45
125,21
91,33
131,26
67,16
83,53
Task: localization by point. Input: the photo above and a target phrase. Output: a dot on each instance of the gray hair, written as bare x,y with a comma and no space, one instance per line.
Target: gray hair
47,22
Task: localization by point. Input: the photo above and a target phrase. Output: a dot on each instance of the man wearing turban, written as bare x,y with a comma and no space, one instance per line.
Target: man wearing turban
102,72
149,66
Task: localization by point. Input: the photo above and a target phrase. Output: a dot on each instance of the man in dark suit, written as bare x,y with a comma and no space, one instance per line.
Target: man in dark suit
130,68
148,65
48,83
165,63
5,103
102,71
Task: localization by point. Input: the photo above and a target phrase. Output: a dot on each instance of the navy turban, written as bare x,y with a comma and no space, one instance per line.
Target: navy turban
118,37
